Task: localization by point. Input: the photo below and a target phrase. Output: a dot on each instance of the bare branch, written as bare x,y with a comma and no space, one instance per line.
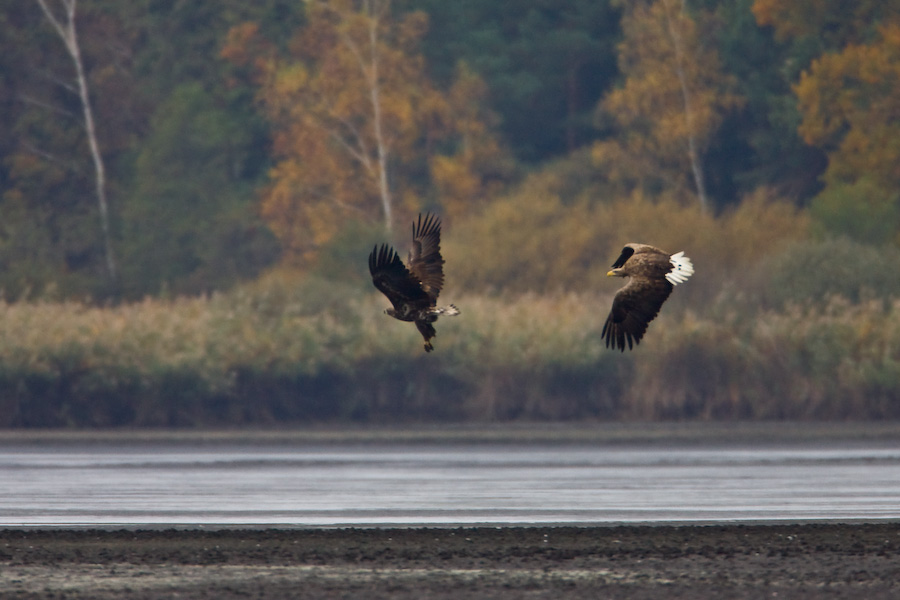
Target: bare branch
57,25
46,105
361,155
56,80
68,165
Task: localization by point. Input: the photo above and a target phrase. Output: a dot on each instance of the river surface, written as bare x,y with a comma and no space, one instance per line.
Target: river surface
347,484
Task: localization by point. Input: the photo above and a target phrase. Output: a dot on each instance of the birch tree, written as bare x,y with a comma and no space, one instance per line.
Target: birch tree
65,27
346,104
358,124
674,98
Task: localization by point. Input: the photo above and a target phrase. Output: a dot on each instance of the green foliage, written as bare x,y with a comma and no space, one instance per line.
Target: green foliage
812,272
49,225
141,57
863,211
758,144
344,258
189,226
546,64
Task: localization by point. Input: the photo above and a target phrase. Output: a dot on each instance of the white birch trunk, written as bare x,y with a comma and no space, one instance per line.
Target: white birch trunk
382,149
67,31
693,154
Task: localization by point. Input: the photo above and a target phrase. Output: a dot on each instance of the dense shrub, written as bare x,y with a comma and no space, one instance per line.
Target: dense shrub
813,271
537,240
865,211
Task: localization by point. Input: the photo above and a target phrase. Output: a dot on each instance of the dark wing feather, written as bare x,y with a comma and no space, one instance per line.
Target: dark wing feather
627,251
394,280
425,260
634,306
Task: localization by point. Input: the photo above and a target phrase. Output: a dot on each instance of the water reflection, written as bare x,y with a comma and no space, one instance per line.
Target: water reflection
344,484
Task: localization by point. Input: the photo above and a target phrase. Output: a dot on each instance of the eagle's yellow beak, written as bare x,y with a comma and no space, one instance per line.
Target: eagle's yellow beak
610,274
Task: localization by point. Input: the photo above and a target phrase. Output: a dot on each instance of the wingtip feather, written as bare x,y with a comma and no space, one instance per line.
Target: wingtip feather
430,224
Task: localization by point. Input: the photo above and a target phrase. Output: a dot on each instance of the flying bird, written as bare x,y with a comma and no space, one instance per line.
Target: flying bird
413,288
653,274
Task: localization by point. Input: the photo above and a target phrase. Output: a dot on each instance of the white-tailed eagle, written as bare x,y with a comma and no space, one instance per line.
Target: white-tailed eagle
413,289
653,274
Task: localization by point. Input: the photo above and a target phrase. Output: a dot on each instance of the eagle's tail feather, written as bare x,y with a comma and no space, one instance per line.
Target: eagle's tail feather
445,311
682,268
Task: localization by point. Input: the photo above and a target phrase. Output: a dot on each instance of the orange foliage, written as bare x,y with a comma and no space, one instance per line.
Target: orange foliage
358,122
835,22
476,165
850,103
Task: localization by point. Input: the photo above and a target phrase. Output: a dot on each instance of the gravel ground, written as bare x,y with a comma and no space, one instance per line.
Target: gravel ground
636,562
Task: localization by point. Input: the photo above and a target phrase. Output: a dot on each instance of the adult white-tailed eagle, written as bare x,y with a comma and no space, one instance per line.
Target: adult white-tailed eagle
653,274
413,289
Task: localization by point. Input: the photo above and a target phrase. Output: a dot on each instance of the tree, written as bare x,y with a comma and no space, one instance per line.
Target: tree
189,222
674,97
473,166
357,123
188,226
50,228
343,105
137,58
68,32
757,144
850,103
546,64
800,32
827,24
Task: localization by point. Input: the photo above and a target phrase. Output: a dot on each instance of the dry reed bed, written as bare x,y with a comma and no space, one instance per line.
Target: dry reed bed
254,355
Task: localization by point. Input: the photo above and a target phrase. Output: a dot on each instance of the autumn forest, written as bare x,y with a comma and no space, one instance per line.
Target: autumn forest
189,191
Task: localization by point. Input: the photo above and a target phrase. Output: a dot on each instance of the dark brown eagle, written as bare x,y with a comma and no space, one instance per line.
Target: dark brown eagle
413,289
653,274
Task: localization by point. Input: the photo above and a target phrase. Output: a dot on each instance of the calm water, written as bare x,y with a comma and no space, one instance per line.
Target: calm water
434,484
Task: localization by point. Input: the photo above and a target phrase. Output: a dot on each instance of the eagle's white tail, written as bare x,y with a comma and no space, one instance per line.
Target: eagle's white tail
448,311
682,268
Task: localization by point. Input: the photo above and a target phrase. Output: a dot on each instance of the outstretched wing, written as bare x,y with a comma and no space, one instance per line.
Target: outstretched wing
425,260
634,306
393,279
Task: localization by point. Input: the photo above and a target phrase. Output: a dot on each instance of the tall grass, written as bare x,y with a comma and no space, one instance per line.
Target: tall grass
289,350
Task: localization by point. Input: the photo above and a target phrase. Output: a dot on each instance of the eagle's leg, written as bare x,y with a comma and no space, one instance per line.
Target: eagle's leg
427,330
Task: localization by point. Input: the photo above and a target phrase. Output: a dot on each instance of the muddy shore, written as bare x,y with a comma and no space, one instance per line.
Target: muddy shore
636,562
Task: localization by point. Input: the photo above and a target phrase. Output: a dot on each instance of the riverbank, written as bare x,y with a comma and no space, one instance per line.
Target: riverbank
522,432
828,560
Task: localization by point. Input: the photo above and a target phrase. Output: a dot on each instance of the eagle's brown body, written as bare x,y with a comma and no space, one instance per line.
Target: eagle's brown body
413,288
652,275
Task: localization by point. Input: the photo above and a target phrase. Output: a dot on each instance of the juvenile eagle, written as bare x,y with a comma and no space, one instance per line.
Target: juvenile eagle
653,274
413,289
